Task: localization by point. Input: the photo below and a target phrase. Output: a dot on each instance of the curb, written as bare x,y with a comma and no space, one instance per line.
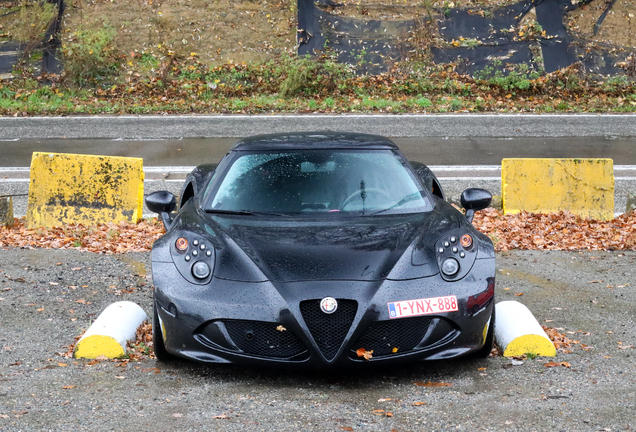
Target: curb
517,331
108,335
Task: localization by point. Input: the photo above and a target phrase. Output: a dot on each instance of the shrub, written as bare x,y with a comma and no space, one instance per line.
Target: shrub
311,76
90,55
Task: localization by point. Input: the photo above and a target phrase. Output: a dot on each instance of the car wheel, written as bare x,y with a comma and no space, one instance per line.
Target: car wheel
490,338
157,338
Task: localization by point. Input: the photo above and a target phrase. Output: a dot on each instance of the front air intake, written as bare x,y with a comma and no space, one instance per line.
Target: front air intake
329,330
392,337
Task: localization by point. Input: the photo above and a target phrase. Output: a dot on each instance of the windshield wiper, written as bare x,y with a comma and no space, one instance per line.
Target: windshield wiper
243,212
406,199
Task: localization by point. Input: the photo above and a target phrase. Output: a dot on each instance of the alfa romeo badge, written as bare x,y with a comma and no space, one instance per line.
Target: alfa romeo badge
328,305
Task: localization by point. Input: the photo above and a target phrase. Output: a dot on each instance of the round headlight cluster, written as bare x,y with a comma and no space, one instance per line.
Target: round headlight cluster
450,266
200,270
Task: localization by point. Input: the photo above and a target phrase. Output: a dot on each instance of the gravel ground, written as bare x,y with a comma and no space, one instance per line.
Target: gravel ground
40,315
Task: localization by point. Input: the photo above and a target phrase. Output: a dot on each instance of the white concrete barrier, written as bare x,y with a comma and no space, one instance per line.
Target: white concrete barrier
111,330
517,332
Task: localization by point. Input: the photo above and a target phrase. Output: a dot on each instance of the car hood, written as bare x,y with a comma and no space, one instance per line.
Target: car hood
362,249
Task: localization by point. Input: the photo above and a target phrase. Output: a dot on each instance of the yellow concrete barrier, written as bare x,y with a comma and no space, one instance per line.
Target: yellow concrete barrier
70,188
110,332
584,187
517,331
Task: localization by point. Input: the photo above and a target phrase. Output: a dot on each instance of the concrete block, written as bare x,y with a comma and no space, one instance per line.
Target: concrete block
6,211
584,187
631,203
84,189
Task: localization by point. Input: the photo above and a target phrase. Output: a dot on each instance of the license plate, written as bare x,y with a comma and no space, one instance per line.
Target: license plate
426,306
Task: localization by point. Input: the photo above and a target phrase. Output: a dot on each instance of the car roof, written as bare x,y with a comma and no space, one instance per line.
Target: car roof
314,140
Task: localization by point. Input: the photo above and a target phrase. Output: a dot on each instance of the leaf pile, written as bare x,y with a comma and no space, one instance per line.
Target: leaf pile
560,340
106,238
142,347
556,231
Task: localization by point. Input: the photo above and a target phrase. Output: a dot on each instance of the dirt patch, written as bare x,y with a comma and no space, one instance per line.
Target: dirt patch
218,31
618,27
408,9
387,10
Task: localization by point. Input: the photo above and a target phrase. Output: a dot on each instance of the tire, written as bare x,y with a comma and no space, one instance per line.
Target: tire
161,354
490,338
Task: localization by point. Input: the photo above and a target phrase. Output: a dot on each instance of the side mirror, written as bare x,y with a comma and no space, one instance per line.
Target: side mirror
473,200
163,203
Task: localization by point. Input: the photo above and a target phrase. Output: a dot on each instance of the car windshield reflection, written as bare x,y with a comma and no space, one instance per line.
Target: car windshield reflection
317,181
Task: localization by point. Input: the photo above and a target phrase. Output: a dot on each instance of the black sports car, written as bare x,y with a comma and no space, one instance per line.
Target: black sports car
320,249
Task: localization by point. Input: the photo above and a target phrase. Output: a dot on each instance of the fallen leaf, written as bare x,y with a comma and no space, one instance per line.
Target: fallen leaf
432,384
389,414
519,294
346,428
62,364
555,364
361,352
385,400
120,377
221,416
68,387
419,403
482,369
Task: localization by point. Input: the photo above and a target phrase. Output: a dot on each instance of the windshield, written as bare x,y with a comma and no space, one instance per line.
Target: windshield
309,181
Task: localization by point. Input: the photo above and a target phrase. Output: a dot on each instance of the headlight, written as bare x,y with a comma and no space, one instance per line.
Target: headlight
450,266
181,244
200,270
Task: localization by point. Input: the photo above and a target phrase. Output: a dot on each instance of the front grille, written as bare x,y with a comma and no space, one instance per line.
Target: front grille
329,330
392,337
263,339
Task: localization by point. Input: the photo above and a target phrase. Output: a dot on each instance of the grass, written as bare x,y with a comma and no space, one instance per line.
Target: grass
144,83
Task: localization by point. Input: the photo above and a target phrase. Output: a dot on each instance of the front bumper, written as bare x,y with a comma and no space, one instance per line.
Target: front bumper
281,324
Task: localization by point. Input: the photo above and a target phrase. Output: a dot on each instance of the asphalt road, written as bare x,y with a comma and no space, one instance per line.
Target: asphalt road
590,294
432,150
402,125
